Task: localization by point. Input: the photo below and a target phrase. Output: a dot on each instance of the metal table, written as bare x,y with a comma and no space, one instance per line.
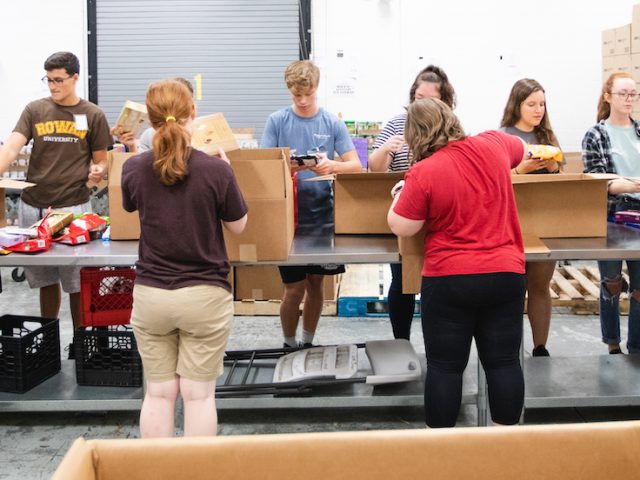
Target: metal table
553,382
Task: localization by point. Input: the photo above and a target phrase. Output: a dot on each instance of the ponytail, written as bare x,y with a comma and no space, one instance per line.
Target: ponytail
170,106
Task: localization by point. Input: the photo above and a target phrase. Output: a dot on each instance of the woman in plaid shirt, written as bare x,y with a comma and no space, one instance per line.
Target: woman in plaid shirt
613,146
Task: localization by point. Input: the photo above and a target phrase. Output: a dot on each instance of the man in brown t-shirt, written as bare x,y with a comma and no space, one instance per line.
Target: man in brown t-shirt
70,141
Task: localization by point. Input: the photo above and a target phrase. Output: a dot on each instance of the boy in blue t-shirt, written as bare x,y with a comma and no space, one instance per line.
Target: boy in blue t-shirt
304,127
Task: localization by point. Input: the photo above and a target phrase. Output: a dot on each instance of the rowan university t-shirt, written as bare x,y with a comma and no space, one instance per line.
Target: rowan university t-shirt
64,138
181,241
464,194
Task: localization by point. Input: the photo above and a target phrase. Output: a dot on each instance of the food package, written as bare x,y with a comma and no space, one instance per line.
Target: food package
82,230
627,216
545,152
133,118
42,241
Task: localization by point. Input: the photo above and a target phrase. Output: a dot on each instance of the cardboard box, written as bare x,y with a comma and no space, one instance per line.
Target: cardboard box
263,282
623,40
566,205
11,184
616,63
124,225
133,118
527,452
608,42
264,177
635,29
211,133
362,201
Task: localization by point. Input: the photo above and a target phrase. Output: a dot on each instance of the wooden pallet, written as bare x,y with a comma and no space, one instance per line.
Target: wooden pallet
579,290
571,287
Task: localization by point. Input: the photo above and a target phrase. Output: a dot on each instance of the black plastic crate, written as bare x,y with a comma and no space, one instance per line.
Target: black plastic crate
107,356
29,351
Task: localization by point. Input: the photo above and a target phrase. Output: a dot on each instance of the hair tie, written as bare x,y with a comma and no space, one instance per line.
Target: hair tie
169,118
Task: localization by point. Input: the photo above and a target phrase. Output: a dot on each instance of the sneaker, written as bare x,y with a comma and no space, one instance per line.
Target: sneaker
540,351
305,345
286,345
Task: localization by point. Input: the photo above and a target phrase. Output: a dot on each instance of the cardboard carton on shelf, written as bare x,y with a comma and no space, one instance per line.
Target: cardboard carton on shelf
544,212
263,282
133,118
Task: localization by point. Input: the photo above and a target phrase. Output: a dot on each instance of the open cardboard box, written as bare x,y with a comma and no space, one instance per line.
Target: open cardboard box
530,452
11,184
549,206
264,177
362,201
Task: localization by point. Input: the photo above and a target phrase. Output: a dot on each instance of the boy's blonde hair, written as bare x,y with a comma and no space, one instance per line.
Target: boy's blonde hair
301,76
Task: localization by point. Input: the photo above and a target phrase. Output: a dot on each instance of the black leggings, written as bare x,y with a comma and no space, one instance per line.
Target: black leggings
401,305
456,309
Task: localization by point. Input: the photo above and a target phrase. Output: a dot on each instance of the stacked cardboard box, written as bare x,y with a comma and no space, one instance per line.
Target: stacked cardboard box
621,51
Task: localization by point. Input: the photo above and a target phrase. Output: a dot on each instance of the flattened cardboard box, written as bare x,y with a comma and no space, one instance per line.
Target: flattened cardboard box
263,282
12,184
549,206
362,201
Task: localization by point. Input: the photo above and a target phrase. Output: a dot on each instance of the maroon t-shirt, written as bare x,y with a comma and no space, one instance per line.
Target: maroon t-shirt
181,241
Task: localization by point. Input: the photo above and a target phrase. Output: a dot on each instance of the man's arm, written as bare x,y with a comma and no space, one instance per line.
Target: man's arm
99,166
10,150
348,162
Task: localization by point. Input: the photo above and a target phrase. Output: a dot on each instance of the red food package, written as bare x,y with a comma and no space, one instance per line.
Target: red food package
80,230
39,244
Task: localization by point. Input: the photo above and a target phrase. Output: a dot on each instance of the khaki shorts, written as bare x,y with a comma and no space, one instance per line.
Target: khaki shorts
182,332
44,276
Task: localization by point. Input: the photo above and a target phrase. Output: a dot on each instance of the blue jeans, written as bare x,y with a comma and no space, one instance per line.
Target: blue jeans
611,270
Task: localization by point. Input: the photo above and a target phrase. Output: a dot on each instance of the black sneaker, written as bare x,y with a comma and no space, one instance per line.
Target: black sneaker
305,345
540,351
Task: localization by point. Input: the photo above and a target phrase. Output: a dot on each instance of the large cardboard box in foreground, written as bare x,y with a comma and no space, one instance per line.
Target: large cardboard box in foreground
263,282
362,201
529,452
566,205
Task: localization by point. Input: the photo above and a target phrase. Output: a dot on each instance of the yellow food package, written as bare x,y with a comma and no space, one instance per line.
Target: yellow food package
545,152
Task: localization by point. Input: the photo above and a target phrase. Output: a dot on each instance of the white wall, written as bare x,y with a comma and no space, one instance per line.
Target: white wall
30,31
484,47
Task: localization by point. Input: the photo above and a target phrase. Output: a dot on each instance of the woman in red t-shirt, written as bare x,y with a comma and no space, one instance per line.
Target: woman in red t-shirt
473,274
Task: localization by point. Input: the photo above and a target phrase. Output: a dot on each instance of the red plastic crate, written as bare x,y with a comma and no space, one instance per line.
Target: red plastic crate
106,294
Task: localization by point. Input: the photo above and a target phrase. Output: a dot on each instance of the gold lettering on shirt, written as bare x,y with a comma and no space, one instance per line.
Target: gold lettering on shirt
59,127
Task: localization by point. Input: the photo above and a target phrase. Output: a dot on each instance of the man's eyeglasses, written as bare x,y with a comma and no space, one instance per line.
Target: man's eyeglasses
627,96
58,81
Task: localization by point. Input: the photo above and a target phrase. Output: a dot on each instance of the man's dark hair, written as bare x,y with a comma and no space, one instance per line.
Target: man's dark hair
66,60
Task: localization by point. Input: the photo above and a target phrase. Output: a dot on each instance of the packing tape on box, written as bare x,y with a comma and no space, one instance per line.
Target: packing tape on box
257,294
248,252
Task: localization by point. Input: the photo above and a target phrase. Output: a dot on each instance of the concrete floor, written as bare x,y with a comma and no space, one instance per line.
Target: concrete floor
32,444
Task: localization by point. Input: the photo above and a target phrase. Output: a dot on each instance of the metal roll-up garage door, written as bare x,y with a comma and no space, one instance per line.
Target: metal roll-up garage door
236,50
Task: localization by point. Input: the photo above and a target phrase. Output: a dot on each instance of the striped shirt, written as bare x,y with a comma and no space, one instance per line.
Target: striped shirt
395,126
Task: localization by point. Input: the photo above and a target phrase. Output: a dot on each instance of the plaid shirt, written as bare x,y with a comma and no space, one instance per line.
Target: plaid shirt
596,155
